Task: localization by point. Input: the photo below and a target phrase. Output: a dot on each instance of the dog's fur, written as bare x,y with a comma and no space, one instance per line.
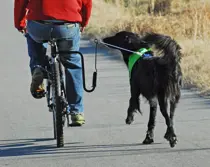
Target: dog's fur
157,78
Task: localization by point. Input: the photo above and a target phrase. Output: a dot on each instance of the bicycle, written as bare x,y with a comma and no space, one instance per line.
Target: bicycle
55,89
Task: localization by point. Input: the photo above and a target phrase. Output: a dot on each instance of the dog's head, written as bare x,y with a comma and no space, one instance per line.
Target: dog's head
126,40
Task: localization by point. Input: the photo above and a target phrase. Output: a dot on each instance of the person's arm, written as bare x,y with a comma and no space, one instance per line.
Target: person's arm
20,12
86,12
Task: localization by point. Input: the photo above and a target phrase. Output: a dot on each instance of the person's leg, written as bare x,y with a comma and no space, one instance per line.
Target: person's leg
73,70
37,53
68,37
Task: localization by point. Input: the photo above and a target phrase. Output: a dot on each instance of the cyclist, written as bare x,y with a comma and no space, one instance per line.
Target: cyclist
63,20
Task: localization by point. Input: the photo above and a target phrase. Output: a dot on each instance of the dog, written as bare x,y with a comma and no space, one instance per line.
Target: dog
157,78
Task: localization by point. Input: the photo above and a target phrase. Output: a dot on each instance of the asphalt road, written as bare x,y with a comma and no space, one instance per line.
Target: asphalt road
105,140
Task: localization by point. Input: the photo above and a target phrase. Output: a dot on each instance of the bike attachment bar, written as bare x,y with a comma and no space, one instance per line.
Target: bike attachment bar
94,79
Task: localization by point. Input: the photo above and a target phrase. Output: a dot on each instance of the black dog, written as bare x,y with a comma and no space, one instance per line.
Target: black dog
157,78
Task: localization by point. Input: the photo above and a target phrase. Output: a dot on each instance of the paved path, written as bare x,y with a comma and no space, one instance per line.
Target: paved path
105,140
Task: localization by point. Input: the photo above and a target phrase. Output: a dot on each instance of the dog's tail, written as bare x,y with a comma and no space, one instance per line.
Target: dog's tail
170,59
166,45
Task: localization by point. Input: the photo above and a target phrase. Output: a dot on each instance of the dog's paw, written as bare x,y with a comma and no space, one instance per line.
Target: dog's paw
171,137
148,140
129,120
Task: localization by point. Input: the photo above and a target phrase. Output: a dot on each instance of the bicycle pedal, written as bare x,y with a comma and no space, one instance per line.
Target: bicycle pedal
38,95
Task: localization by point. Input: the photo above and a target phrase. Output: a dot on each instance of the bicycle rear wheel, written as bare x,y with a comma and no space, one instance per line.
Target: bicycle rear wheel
51,106
54,124
56,94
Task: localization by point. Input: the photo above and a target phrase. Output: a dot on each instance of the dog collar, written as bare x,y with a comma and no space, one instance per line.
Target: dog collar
136,56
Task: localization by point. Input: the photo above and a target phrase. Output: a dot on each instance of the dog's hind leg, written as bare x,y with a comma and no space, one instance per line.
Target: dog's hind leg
173,105
134,105
151,124
170,135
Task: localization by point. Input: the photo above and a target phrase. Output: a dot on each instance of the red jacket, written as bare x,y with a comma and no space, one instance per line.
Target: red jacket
68,10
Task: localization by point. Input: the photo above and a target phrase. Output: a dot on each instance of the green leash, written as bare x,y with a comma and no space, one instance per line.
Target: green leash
136,56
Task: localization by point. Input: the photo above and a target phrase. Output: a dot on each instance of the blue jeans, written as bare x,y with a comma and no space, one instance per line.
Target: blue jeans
69,39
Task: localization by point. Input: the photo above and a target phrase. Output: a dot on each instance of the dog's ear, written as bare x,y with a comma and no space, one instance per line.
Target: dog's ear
133,42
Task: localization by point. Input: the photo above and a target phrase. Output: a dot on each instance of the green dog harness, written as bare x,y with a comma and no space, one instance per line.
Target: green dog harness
136,56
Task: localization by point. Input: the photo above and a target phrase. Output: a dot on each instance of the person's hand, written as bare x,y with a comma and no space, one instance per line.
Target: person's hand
82,29
23,31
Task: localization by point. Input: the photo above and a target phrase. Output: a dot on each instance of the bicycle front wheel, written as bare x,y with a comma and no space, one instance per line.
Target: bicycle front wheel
56,94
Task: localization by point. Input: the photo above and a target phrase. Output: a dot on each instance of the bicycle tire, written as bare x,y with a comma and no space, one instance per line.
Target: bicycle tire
49,86
50,105
54,125
56,90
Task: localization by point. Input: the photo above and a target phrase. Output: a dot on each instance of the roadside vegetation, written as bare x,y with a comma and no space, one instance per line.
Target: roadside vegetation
187,21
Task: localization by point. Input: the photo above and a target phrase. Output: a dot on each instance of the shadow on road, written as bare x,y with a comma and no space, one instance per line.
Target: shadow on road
29,147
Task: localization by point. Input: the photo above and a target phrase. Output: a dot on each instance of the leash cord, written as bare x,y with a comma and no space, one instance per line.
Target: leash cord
114,46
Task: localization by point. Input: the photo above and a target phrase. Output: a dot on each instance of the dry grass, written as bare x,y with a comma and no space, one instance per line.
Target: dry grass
188,23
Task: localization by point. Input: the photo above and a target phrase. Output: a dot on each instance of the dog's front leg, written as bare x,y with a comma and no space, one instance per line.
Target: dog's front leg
134,104
151,124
